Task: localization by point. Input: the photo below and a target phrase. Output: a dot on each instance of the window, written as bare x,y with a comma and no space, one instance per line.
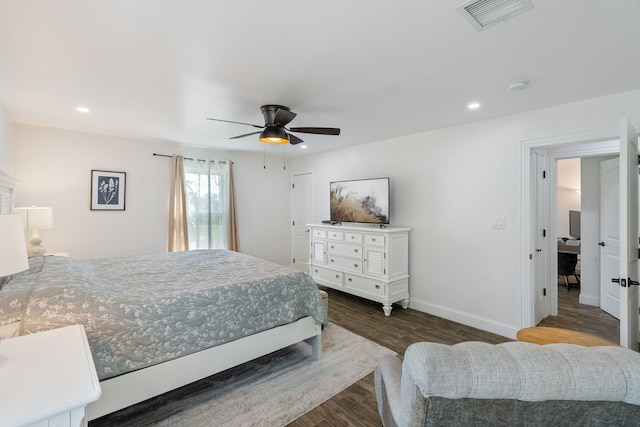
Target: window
207,199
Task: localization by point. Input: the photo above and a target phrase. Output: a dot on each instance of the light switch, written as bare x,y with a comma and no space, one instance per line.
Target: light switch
497,222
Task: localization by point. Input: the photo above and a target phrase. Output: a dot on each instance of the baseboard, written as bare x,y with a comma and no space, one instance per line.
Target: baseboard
589,300
472,320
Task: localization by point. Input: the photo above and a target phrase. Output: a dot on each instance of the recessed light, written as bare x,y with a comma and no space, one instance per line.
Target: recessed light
303,147
83,110
473,106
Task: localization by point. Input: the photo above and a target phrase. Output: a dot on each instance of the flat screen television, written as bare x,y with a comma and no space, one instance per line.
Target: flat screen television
360,200
574,224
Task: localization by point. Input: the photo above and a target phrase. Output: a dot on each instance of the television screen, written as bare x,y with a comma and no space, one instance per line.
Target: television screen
574,224
362,200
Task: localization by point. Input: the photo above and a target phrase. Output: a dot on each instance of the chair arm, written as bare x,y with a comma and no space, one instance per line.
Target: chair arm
387,383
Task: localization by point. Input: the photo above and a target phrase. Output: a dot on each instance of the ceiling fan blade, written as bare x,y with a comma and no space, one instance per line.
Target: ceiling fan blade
246,134
283,116
238,123
293,140
319,131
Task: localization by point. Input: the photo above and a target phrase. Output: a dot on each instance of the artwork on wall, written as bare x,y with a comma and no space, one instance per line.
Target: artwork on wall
108,190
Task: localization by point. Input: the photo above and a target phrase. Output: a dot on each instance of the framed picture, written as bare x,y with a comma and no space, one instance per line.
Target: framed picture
108,190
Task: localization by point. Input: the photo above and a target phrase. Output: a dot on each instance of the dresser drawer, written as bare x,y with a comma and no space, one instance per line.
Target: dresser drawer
363,284
344,249
374,239
335,235
327,275
319,234
347,264
353,237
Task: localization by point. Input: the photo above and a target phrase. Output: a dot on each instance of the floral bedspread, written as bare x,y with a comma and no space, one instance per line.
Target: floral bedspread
143,310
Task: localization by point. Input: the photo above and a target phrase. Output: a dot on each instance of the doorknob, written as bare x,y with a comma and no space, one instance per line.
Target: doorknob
633,282
615,280
602,244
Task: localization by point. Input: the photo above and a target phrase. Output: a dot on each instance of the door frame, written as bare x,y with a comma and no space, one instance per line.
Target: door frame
588,144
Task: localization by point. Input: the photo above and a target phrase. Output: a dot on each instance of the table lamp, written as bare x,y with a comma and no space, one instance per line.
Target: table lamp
36,219
13,251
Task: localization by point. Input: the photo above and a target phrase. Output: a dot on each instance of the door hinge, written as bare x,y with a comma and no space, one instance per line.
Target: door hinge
294,260
544,293
544,174
530,256
294,223
544,233
293,186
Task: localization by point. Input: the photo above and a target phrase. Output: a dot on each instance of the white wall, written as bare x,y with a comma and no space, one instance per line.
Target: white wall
55,169
7,144
447,185
568,193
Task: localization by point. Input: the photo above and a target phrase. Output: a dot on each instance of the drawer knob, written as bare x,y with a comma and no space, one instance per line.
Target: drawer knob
350,279
355,265
332,246
377,286
316,270
337,276
355,250
331,260
373,240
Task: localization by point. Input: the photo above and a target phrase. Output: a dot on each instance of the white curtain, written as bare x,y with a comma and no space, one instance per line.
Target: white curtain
208,196
178,240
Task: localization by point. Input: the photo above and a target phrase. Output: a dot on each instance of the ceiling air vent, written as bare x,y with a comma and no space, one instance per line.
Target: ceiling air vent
483,13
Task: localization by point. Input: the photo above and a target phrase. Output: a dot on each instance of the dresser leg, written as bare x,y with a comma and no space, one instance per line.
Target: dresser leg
405,303
387,309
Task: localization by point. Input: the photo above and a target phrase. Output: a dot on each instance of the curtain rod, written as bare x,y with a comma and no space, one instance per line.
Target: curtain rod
191,158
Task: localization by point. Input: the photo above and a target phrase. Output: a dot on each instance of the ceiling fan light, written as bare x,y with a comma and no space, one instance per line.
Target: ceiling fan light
274,135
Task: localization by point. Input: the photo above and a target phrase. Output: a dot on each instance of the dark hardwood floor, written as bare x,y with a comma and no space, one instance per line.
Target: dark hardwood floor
579,317
356,406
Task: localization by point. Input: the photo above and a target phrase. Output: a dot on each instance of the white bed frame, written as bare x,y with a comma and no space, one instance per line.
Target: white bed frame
134,387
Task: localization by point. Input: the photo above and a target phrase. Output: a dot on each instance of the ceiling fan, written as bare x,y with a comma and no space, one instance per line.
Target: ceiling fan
276,117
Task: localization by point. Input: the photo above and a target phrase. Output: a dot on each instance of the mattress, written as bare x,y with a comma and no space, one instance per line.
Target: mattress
142,310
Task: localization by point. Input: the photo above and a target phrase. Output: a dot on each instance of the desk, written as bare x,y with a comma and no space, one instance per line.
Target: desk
563,248
545,335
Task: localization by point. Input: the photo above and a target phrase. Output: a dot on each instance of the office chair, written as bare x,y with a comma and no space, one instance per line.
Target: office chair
567,267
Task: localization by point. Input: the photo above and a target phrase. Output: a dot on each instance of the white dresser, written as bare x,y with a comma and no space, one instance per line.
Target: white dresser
369,262
47,379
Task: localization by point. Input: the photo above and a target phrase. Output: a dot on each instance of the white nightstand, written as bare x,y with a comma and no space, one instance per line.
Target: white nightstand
47,379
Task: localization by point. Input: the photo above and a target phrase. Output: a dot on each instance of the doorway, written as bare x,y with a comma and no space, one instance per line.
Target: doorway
539,164
302,207
624,142
580,195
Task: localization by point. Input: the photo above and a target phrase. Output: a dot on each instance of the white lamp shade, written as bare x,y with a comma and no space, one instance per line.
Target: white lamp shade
13,249
36,218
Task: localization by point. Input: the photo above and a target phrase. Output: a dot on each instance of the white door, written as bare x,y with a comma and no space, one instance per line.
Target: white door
302,214
628,235
610,236
542,208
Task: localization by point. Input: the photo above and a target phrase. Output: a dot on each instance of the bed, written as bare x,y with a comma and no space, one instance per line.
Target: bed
157,322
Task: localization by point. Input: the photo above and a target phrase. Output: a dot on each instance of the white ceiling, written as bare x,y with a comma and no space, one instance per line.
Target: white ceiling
377,69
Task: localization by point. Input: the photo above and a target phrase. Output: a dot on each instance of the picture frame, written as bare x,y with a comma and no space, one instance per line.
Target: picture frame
108,190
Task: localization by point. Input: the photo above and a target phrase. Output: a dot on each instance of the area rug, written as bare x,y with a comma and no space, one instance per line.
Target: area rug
270,391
